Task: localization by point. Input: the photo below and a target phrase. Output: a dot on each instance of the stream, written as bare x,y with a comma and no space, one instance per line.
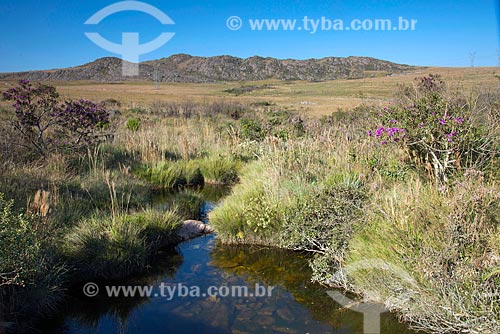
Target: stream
295,305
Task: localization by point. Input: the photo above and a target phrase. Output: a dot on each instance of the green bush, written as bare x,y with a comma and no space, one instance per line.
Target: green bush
133,124
21,250
251,129
31,277
323,219
447,241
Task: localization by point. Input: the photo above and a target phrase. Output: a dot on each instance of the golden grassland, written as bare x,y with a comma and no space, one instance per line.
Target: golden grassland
312,98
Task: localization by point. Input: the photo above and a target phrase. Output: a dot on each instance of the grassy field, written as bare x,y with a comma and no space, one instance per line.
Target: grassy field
311,98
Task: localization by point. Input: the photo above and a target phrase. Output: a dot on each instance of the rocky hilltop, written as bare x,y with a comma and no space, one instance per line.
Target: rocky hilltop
186,68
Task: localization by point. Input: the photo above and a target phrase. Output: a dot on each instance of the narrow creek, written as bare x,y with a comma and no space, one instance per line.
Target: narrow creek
295,306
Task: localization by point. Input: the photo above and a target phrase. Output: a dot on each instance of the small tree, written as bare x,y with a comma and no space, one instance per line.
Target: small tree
45,123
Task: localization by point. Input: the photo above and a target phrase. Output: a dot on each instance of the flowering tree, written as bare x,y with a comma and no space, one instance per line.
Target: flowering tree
436,130
46,124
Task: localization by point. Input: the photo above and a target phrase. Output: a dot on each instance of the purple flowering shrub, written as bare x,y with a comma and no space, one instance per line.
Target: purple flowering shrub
436,130
46,124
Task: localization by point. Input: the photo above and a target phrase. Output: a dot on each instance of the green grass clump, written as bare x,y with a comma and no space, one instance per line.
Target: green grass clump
133,124
111,248
174,175
187,204
242,217
194,177
220,169
164,175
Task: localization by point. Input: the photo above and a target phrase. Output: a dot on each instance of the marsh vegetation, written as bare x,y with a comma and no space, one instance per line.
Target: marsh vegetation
413,182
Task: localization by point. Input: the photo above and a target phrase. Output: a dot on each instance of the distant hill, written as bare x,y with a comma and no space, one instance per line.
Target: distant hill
186,68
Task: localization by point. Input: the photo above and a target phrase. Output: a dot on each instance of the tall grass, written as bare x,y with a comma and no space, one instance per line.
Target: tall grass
115,247
448,242
347,199
172,139
271,187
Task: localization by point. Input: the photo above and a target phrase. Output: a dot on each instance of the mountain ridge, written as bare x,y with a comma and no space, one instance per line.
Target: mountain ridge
186,68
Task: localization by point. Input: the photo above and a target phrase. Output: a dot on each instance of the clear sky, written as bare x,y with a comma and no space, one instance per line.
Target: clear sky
50,33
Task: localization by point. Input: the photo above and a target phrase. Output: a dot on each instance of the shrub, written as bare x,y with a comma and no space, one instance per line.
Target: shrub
444,134
446,241
133,124
20,247
323,219
46,124
113,103
251,129
31,278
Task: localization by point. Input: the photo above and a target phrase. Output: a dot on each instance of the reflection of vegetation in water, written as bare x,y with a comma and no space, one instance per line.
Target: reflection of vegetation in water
88,312
290,271
214,193
188,202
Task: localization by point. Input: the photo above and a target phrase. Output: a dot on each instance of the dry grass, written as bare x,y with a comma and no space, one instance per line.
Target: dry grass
313,98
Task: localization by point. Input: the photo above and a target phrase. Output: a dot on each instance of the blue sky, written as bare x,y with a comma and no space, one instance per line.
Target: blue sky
50,33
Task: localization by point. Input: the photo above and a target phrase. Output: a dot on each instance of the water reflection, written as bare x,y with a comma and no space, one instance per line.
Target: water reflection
210,193
80,314
300,301
296,305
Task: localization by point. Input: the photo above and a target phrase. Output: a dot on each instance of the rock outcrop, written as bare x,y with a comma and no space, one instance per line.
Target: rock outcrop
186,68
